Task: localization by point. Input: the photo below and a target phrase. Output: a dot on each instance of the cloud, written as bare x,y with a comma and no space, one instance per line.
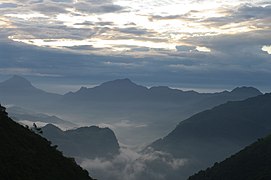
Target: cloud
185,48
130,165
96,22
25,72
155,42
203,49
97,7
7,5
133,30
123,124
244,17
49,9
267,49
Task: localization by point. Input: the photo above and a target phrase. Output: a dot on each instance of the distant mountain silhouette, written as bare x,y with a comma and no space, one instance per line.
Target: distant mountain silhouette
25,155
17,81
126,90
117,90
251,163
153,111
214,134
24,116
158,108
18,90
84,142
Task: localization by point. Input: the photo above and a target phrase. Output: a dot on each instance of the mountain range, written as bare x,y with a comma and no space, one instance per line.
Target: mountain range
120,104
25,155
139,114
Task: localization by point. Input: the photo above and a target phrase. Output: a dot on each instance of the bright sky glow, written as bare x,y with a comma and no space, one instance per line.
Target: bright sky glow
267,49
203,49
126,25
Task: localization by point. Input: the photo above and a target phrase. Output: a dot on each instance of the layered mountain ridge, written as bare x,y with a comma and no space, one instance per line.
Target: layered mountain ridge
214,134
123,105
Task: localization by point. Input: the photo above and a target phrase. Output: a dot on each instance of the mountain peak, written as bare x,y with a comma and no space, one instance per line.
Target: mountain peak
17,81
120,83
245,89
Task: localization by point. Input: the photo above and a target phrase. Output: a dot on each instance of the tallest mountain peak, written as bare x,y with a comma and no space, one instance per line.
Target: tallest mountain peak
119,83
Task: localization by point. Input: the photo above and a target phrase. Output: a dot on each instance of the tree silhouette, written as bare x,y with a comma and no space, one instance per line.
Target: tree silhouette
37,129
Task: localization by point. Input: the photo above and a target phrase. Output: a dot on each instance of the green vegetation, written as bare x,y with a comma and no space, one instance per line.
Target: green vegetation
25,155
252,163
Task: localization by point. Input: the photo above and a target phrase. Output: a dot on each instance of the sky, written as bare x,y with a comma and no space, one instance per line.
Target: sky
192,44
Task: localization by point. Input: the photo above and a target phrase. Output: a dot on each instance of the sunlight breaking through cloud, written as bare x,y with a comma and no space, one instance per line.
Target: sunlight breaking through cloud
117,25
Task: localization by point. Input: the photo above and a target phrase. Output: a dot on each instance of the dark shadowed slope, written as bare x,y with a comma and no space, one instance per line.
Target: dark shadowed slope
252,163
239,122
84,142
25,155
214,134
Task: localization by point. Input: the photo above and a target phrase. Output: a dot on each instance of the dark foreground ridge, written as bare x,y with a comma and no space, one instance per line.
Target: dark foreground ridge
252,163
25,155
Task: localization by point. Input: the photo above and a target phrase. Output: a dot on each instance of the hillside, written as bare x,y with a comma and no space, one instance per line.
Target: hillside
239,122
25,155
251,163
84,142
214,134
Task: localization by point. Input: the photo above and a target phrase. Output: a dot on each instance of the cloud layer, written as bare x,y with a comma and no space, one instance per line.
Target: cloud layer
130,27
178,43
130,165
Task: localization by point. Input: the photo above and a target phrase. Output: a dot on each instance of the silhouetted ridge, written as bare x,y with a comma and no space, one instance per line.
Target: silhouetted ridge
246,90
119,83
252,163
19,91
120,90
25,155
85,142
16,82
